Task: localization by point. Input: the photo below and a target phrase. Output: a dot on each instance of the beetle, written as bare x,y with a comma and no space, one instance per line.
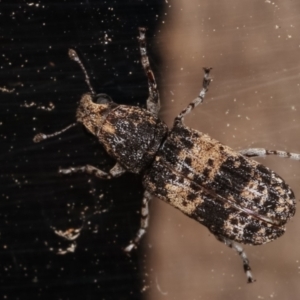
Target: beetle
238,199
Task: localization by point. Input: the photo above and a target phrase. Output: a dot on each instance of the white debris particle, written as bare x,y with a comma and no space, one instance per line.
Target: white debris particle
5,90
50,106
70,249
70,234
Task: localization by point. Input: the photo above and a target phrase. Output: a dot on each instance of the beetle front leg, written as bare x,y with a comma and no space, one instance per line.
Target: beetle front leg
144,222
239,249
115,171
153,101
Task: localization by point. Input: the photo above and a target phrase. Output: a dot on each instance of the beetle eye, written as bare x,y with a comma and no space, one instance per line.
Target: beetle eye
102,99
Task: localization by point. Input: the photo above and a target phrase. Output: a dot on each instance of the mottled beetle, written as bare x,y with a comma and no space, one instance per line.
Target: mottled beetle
238,199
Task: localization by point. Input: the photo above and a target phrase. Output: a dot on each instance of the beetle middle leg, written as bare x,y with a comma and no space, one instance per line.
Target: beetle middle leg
198,100
239,249
144,222
115,171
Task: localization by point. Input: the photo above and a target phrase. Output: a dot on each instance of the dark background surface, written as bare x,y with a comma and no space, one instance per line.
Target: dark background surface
35,38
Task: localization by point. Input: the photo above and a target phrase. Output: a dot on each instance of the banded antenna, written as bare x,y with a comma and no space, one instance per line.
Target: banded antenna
74,56
42,136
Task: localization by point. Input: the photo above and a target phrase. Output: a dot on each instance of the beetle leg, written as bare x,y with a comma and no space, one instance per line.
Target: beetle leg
239,249
144,223
252,152
198,100
115,171
153,102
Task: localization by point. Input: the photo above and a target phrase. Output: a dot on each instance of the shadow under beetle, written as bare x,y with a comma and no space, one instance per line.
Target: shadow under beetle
238,199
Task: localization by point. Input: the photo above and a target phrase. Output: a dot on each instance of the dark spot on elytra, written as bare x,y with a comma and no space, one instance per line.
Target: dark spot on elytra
288,193
212,213
192,196
186,166
195,134
264,173
264,170
206,172
249,232
252,227
256,200
194,186
170,151
243,215
233,176
156,178
242,221
185,171
184,203
274,232
285,187
180,179
210,162
260,188
198,179
184,135
187,143
188,161
181,131
234,221
238,168
271,203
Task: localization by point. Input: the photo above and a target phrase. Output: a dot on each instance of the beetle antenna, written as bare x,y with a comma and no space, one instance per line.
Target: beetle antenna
74,56
42,136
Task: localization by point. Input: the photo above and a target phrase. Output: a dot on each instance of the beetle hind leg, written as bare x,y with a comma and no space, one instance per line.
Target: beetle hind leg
144,223
239,249
261,152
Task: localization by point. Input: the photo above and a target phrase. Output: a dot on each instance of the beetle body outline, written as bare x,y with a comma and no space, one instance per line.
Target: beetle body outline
238,199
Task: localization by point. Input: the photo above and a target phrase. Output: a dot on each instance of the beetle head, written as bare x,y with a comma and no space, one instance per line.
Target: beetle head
93,110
